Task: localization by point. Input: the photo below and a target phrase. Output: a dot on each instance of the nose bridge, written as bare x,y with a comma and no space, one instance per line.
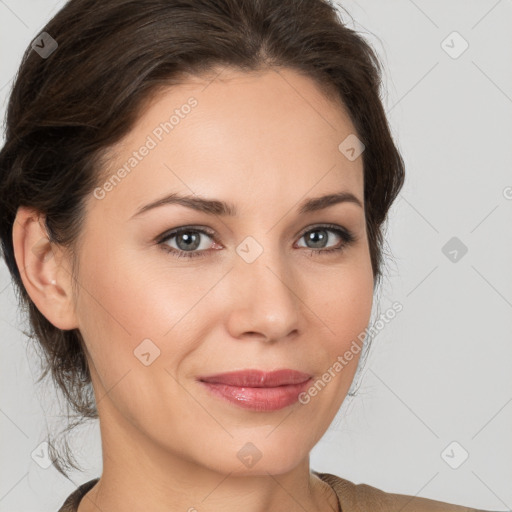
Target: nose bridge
260,258
264,284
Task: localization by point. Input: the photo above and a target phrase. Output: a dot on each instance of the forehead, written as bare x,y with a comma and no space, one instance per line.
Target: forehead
229,133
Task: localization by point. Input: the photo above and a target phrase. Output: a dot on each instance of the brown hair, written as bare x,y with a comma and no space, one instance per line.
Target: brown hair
67,109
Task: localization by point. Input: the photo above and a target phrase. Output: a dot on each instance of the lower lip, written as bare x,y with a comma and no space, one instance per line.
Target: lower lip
259,399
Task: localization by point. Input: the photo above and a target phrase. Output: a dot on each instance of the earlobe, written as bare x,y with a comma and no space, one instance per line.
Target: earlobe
42,270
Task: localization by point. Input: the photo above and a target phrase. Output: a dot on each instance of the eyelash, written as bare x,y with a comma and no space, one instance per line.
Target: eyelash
347,239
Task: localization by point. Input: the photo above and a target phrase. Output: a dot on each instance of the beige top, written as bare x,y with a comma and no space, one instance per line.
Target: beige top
351,498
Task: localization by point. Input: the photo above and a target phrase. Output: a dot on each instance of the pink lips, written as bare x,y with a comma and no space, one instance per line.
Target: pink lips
258,390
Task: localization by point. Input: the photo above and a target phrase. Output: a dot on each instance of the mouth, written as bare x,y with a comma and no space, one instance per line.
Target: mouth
256,389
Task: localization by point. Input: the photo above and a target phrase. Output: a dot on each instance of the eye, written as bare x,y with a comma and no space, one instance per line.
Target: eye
188,240
189,244
319,236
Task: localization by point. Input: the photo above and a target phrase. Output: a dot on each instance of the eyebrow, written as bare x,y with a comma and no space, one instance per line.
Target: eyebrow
222,208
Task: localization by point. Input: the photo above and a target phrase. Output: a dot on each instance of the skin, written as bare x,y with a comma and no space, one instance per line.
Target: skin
264,141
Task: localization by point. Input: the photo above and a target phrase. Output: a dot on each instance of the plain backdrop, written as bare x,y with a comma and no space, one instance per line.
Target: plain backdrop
433,413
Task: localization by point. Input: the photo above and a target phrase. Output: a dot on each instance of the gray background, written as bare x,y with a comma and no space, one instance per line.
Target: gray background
440,371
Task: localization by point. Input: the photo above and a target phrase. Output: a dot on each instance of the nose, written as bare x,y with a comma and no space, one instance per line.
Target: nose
264,300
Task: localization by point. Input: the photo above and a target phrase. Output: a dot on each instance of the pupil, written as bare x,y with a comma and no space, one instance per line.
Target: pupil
189,241
315,239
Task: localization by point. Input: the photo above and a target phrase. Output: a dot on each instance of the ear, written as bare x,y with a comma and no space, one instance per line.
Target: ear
45,272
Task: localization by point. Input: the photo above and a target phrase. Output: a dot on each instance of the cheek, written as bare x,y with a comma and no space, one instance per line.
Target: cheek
123,319
344,310
118,308
343,298
132,313
125,297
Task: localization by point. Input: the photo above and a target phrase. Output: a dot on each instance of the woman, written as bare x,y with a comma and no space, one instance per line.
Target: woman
193,195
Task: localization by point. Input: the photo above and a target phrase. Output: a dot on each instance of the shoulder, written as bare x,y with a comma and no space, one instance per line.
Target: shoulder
72,501
361,497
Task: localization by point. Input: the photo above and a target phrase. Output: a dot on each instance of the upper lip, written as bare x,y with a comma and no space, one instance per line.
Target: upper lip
258,378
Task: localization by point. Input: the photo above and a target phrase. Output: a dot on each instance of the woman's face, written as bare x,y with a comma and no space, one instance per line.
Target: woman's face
257,293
